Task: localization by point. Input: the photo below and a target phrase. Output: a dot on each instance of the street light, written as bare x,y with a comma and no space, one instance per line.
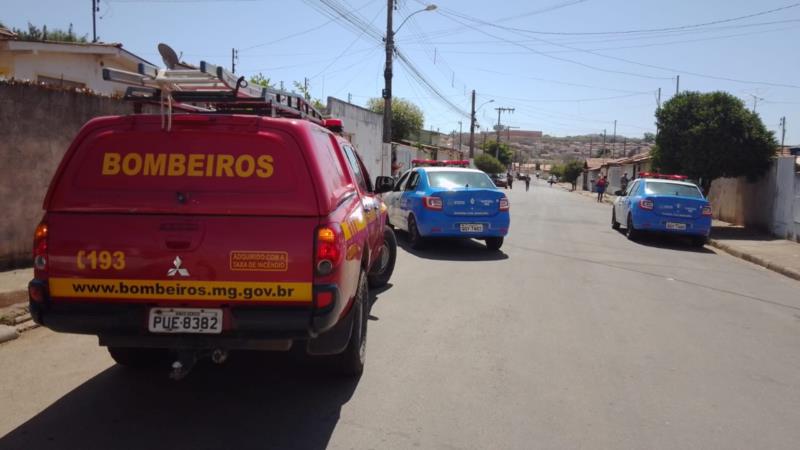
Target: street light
472,124
387,73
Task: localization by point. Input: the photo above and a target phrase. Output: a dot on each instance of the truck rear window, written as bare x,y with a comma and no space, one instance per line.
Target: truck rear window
210,169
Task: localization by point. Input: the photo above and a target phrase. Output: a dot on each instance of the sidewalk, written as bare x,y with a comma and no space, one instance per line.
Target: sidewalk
773,253
14,317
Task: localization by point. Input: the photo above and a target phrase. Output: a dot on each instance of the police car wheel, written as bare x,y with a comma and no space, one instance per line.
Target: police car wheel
384,266
140,358
632,232
351,361
494,243
415,240
698,241
614,224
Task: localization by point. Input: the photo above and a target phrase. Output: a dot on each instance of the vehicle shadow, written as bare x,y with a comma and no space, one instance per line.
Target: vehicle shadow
669,242
736,233
444,249
255,400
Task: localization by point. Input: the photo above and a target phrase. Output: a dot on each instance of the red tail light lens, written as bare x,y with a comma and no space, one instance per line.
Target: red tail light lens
434,203
646,204
504,205
40,247
707,211
330,249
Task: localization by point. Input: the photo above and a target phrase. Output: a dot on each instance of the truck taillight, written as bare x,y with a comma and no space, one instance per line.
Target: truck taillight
646,204
330,249
707,211
434,203
504,205
40,247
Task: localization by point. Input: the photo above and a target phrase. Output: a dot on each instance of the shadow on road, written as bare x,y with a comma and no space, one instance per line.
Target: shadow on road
740,233
445,249
256,400
669,242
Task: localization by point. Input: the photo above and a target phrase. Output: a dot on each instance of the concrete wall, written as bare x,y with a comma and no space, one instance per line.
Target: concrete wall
36,127
364,128
771,204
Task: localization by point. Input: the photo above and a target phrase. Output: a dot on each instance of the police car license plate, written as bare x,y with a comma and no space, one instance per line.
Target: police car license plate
676,226
185,320
471,227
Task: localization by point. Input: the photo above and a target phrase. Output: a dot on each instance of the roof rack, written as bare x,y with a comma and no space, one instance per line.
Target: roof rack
209,89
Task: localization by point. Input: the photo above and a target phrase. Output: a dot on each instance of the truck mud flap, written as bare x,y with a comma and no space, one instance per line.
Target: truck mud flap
333,341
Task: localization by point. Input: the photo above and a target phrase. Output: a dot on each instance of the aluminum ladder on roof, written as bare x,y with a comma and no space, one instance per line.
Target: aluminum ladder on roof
209,89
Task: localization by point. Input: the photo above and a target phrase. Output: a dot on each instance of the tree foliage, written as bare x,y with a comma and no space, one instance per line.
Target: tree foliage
260,80
489,164
34,33
505,155
649,137
570,171
711,135
407,118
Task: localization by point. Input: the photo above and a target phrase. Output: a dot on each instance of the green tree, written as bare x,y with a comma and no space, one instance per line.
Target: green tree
710,135
603,152
571,171
649,137
305,89
505,155
260,80
34,33
407,118
489,164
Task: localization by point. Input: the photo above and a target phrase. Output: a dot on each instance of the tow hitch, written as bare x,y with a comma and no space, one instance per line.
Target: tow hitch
188,358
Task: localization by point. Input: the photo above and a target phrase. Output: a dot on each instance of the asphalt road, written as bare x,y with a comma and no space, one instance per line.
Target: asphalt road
572,337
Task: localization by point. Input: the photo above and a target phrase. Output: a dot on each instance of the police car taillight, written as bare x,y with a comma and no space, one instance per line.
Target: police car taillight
434,203
40,247
504,205
707,211
330,249
646,204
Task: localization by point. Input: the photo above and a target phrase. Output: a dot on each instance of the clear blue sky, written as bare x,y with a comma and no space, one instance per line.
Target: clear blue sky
559,81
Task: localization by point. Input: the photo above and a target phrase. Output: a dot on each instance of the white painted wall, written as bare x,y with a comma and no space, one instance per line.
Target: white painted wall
365,130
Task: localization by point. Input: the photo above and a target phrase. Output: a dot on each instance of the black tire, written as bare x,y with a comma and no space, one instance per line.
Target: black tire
415,240
614,223
494,243
698,241
631,231
382,268
140,358
350,362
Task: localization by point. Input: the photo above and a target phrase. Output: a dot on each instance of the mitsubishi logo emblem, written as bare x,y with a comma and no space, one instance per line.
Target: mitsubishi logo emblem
177,269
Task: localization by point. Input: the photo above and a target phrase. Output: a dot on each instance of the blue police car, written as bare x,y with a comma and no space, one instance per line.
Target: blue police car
453,202
665,204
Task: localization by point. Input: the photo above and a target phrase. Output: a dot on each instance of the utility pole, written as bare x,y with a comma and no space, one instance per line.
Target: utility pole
678,85
349,98
755,102
234,57
500,111
591,141
603,150
459,135
95,8
783,130
387,75
614,140
472,128
658,108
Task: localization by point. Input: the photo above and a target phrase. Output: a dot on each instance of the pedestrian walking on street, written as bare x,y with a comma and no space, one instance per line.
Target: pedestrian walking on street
510,179
601,188
527,182
623,182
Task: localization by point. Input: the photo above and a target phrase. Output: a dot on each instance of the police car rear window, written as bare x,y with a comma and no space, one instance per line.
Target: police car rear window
678,190
457,179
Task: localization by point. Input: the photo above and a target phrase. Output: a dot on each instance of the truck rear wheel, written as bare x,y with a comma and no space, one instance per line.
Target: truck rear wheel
351,361
139,358
384,266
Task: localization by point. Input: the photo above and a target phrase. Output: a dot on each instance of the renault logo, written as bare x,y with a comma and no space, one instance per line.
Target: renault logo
177,269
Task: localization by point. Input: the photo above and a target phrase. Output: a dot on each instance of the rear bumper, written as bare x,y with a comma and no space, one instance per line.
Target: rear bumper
248,327
647,221
437,224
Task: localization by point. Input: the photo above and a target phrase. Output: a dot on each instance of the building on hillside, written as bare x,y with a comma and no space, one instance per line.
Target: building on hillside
65,64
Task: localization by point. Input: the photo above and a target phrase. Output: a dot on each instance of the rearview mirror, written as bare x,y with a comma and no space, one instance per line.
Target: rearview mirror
383,184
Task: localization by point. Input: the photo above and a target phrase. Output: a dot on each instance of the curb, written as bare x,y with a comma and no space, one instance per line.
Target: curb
8,333
785,271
